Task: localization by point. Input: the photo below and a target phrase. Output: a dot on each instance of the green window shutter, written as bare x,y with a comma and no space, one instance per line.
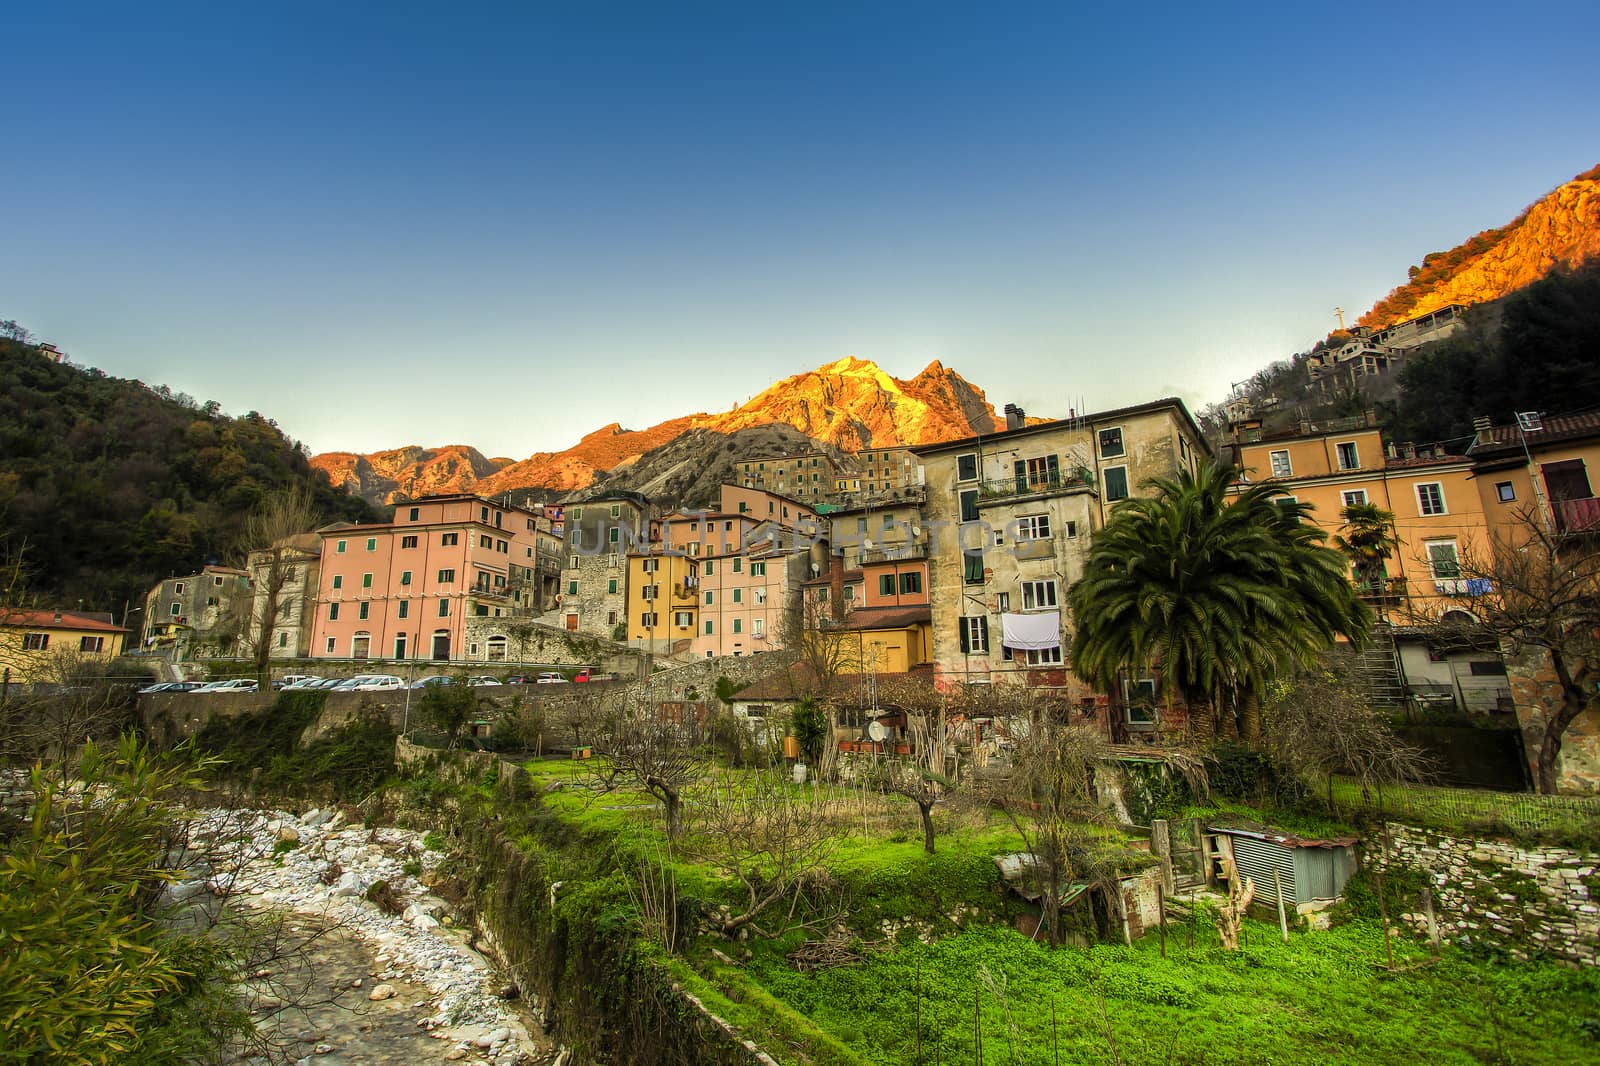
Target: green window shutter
1019,470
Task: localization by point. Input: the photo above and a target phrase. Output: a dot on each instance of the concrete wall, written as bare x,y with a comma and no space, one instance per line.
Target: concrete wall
1525,899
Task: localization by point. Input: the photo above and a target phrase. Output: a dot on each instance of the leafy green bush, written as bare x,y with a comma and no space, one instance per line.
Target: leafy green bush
1242,773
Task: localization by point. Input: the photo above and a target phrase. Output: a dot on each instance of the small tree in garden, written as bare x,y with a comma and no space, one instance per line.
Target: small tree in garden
1320,722
770,846
920,776
449,709
651,755
1048,796
811,728
1367,538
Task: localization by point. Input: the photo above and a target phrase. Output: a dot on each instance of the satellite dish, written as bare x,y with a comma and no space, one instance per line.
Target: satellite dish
816,569
867,544
916,531
878,732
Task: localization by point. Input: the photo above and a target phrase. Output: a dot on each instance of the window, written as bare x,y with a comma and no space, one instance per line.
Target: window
758,569
1142,702
416,513
650,619
339,547
1116,483
1033,527
966,467
1038,595
35,641
1002,602
650,566
572,588
177,609
972,567
761,597
217,581
361,610
614,534
331,645
1443,559
710,598
485,542
333,612
1355,498
446,576
1281,466
405,609
283,640
861,525
1290,506
1111,443
683,619
910,582
449,539
338,581
1045,656
1505,491
444,608
1430,498
1349,459
710,568
405,577
886,584
1072,530
408,542
372,544
974,632
738,625
850,593
969,505
611,587
709,628
738,595
366,581
738,565
758,627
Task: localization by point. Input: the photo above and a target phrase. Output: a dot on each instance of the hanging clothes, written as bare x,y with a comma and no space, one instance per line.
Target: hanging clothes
1031,632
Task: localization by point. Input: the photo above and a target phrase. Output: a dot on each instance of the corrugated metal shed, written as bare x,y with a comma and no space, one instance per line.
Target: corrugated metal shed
1308,869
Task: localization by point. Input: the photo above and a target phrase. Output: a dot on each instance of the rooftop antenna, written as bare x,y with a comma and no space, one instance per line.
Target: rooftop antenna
1340,312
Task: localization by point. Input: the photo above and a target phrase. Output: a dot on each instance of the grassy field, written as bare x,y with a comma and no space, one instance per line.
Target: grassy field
1324,997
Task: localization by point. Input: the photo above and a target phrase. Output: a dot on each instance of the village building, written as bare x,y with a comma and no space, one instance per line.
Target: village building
198,614
35,645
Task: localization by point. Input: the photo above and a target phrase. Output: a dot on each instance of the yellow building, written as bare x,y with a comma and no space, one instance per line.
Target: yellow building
1564,449
663,597
1436,501
34,643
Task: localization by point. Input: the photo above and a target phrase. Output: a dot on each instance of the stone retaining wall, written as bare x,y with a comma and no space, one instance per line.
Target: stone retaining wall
1527,899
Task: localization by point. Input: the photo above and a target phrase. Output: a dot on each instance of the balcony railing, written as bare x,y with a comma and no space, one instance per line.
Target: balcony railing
1384,593
1578,516
1028,485
889,553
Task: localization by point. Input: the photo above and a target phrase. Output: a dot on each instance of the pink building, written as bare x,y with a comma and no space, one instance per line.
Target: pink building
405,589
743,600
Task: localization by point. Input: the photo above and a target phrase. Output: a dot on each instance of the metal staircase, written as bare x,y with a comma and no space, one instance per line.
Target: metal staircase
1377,668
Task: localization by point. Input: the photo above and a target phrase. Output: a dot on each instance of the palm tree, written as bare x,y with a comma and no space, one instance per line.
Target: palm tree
1220,592
1367,540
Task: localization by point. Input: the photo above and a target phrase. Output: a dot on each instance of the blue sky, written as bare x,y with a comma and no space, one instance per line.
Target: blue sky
507,226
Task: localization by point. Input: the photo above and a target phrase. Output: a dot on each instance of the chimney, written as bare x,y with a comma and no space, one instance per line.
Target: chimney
58,618
1014,419
836,588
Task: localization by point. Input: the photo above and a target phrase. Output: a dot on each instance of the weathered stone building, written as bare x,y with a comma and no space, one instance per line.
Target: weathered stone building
1008,520
599,534
198,614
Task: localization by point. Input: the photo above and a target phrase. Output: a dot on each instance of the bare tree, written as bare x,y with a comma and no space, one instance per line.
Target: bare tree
1321,723
269,538
651,755
922,776
1538,590
818,642
72,700
755,833
1048,795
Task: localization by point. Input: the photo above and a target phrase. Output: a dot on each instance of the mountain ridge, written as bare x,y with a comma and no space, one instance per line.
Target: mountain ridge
849,405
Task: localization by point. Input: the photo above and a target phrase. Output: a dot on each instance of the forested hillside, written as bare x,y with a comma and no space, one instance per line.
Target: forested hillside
108,485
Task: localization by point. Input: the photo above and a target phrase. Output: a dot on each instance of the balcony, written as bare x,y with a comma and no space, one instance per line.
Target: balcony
1078,480
1390,592
1578,516
890,553
1041,548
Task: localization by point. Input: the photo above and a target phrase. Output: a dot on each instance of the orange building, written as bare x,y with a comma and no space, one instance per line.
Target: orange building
405,589
1565,452
1436,500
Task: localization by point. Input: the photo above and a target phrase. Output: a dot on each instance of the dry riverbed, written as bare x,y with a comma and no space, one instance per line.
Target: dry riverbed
357,985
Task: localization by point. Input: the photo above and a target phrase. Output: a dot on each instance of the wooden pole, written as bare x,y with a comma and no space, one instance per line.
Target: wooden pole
1161,847
1427,911
1161,917
1383,914
919,1010
1283,919
1193,918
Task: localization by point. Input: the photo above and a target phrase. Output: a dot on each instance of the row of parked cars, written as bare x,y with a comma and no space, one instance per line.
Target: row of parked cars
372,682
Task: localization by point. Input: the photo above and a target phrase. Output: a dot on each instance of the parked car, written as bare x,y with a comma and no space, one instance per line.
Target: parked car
302,682
433,680
184,686
160,686
551,677
376,683
482,680
583,675
292,679
519,679
236,684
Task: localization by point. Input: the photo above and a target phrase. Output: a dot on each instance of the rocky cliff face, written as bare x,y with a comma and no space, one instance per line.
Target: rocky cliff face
406,473
1561,230
848,405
